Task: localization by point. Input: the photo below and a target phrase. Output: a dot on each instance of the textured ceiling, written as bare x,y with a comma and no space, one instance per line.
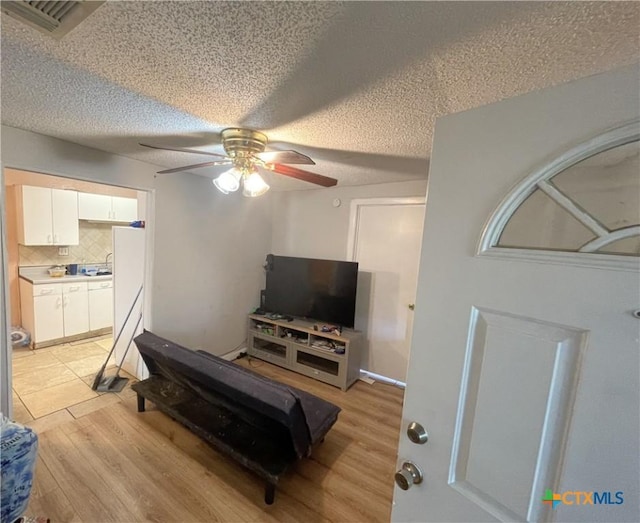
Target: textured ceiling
355,85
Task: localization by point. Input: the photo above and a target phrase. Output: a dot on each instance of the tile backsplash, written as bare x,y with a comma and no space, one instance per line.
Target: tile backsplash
95,244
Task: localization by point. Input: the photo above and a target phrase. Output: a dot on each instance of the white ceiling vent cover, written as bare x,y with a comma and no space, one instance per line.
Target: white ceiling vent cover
53,18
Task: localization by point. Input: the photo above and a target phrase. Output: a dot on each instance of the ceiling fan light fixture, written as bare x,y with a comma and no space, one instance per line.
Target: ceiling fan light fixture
254,185
228,181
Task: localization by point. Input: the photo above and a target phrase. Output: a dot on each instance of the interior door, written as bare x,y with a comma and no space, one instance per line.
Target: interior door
385,242
523,370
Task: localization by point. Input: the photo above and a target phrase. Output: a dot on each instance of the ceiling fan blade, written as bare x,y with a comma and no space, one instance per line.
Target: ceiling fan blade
284,157
299,174
194,166
182,150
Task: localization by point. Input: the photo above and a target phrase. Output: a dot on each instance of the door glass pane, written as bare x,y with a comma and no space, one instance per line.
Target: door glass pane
606,185
625,246
540,223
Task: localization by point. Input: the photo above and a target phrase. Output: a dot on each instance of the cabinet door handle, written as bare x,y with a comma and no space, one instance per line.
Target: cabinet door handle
65,301
58,303
46,291
49,238
73,289
55,238
104,285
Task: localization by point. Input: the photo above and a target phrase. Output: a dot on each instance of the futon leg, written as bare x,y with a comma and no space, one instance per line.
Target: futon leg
269,493
140,403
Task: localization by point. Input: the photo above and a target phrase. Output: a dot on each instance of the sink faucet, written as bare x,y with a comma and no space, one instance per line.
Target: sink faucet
106,260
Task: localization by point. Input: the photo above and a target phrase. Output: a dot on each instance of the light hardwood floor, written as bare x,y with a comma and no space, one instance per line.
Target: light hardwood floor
115,464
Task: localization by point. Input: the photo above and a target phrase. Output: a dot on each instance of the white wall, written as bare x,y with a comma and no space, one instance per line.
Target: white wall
306,224
208,253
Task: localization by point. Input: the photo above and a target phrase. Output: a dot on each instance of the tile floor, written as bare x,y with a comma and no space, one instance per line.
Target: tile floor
53,384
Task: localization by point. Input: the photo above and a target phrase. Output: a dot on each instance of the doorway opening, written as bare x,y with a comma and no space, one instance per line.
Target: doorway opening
64,299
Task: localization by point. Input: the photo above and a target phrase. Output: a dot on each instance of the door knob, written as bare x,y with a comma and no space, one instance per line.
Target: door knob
416,433
408,475
412,306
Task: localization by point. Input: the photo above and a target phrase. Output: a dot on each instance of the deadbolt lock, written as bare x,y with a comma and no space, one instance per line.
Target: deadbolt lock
417,433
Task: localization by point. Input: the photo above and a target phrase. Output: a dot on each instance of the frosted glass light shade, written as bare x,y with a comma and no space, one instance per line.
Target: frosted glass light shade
228,181
254,185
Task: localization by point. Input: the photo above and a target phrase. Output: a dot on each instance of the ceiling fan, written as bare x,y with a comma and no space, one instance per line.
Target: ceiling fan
244,150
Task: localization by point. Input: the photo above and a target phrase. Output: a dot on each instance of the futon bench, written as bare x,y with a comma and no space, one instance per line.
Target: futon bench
265,425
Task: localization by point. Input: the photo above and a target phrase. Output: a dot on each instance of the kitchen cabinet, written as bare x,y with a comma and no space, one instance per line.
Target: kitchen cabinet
103,208
75,308
100,305
47,216
47,314
56,312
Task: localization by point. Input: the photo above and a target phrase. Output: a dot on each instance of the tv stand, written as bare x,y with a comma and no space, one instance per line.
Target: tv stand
295,345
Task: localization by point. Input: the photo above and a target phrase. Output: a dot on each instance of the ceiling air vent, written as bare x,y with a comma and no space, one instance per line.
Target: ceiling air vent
53,18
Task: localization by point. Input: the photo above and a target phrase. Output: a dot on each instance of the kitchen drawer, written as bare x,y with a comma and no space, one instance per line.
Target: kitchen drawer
97,285
78,286
48,289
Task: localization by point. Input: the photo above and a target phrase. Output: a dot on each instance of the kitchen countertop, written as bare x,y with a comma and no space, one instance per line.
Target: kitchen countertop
39,275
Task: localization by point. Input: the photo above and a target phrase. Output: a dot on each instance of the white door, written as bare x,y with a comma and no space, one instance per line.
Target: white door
75,303
94,206
36,216
124,209
524,364
48,319
101,306
385,241
66,230
128,277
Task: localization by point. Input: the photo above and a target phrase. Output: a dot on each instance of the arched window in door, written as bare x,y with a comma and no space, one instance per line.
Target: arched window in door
586,202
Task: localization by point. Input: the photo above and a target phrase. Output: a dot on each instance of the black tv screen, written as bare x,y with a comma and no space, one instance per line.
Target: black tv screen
323,290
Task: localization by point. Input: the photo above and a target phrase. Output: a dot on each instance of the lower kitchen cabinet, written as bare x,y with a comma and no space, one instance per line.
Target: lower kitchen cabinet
46,318
75,308
57,312
100,305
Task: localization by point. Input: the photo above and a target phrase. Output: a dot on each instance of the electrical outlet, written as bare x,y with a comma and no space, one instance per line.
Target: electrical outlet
63,251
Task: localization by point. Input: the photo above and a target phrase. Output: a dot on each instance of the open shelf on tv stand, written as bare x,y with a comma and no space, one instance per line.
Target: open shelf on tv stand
295,345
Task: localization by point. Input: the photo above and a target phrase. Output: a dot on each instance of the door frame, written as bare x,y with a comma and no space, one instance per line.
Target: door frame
6,399
354,215
354,223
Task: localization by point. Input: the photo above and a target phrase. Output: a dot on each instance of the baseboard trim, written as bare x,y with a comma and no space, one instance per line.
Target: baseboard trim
234,354
383,379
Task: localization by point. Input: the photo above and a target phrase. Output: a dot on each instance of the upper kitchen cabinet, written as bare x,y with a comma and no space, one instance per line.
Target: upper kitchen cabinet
99,207
47,216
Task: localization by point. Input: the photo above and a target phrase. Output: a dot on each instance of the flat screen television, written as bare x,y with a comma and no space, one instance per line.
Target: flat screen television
323,290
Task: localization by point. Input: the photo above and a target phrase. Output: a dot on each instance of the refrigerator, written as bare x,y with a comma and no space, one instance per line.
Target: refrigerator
129,263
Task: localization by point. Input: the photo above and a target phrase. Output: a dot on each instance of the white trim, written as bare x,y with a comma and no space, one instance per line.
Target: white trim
581,259
570,206
234,354
382,379
354,216
497,221
5,334
618,234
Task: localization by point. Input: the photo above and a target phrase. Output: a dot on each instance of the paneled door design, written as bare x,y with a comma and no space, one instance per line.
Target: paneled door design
524,364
